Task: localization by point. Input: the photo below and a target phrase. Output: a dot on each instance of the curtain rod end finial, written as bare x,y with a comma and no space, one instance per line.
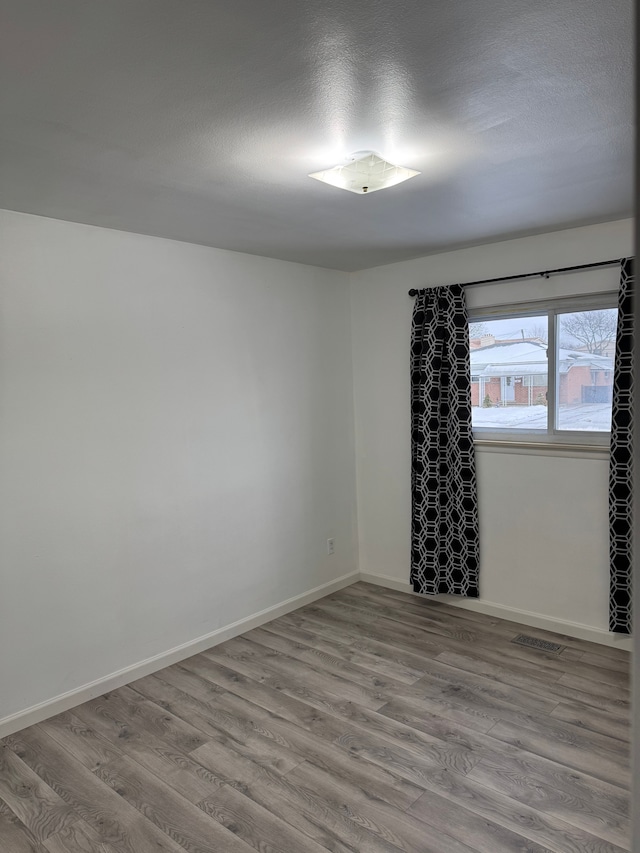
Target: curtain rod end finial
413,292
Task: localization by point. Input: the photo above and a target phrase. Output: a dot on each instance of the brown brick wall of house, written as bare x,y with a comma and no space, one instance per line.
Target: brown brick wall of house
493,389
571,383
538,394
570,391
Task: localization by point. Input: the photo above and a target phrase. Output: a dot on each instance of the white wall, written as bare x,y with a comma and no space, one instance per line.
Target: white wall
176,446
561,501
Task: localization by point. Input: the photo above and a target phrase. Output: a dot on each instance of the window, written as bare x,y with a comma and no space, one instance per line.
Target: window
536,381
544,373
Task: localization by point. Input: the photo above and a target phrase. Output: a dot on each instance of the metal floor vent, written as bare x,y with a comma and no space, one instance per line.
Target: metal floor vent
535,643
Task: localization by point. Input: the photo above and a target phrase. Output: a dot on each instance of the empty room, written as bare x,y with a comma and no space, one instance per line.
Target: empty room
316,427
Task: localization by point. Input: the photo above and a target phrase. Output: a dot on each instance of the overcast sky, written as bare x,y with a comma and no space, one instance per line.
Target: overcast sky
518,327
512,328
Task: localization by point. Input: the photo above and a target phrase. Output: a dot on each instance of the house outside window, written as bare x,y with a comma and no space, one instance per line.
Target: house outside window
548,373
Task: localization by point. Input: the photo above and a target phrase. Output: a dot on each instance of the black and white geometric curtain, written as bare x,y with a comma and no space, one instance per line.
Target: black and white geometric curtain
444,536
620,465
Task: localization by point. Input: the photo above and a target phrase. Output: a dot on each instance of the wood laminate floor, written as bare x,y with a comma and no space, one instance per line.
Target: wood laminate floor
369,721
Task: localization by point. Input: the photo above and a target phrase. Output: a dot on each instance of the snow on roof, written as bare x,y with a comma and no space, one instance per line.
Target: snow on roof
530,358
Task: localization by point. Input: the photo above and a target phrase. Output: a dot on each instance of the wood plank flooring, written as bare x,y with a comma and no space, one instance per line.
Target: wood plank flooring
370,721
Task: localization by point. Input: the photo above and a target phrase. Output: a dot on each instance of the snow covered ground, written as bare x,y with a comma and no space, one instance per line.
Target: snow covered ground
590,416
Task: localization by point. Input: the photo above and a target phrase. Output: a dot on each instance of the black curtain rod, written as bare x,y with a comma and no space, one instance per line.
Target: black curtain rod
542,274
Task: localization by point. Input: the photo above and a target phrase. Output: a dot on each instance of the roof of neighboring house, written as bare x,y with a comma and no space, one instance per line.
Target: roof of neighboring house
528,358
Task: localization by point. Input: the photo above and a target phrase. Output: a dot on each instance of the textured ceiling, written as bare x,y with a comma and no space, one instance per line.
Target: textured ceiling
200,119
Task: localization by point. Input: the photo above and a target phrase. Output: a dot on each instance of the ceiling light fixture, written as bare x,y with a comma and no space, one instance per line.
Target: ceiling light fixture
364,173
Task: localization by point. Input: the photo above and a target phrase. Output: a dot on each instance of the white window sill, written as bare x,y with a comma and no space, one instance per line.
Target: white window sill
539,448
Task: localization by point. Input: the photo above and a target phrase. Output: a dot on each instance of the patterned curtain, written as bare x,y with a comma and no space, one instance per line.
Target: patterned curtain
444,546
620,466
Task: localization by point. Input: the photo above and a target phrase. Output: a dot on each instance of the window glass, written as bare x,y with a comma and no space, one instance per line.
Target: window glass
510,385
585,351
509,361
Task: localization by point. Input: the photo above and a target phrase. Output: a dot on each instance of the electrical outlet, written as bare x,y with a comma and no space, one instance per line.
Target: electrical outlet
331,546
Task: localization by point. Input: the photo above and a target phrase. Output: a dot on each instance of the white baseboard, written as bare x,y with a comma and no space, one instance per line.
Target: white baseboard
389,583
513,614
66,701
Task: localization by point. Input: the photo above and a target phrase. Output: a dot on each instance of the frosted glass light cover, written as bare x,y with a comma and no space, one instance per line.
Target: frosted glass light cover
364,173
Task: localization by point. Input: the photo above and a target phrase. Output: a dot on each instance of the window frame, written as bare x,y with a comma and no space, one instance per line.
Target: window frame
552,308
